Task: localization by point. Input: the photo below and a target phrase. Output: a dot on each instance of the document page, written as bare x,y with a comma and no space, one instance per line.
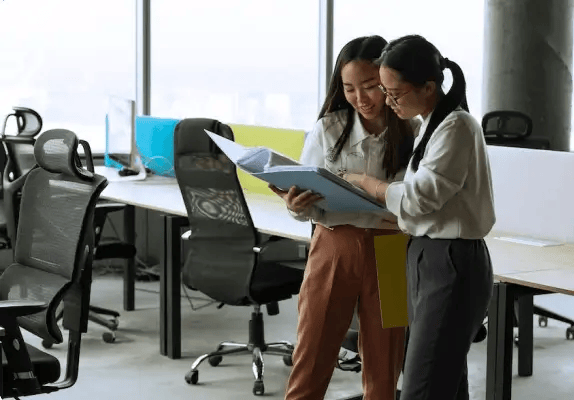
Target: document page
250,159
284,172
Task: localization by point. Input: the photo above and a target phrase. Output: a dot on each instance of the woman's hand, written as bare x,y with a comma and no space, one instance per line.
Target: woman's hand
297,200
355,179
375,187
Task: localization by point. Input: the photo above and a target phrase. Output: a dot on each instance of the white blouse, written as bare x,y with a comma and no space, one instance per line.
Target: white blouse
450,195
362,153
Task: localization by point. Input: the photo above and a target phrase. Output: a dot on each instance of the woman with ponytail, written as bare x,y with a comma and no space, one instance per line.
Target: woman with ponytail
445,203
355,133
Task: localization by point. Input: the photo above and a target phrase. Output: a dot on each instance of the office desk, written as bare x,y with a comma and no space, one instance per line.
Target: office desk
521,271
162,194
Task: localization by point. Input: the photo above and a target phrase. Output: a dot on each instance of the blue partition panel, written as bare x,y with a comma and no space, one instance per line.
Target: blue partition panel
154,142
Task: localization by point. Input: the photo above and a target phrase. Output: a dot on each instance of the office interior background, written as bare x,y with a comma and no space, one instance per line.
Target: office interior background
253,62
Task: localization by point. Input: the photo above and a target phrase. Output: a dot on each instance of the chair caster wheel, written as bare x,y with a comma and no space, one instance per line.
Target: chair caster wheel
214,361
480,335
542,322
47,344
570,333
109,337
288,361
192,377
258,388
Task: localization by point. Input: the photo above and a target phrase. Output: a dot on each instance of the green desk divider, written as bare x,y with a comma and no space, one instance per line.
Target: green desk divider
286,141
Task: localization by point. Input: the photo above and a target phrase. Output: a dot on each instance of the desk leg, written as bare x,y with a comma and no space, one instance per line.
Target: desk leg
130,270
525,334
499,344
170,287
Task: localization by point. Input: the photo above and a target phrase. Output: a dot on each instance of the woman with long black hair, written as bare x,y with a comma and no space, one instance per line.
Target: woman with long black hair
355,133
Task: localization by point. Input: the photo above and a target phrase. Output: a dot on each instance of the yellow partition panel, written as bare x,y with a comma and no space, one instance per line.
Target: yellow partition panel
288,142
391,255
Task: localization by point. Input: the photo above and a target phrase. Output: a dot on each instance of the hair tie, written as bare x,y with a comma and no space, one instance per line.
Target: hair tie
444,63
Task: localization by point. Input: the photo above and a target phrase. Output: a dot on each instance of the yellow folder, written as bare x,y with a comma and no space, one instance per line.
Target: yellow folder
391,255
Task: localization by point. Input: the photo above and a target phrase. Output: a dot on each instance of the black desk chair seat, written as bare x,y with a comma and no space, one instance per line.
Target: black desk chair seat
113,249
271,283
228,259
46,367
275,282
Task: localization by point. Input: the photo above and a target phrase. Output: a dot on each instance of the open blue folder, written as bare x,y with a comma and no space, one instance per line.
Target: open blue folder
339,194
283,172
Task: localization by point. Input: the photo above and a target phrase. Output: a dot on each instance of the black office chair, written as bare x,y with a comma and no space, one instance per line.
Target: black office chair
52,267
511,129
19,150
18,153
228,259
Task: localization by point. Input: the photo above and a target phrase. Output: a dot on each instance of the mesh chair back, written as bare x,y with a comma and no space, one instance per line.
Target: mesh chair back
19,153
506,125
29,125
55,239
221,259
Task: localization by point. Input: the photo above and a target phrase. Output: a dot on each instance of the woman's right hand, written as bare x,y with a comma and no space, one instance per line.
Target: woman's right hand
297,200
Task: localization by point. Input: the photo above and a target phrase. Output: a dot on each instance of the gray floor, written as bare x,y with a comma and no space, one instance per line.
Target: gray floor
132,367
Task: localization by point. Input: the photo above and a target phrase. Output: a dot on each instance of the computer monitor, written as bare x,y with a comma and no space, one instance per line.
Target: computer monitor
120,132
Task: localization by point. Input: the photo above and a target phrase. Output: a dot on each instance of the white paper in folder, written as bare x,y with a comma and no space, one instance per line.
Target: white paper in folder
284,172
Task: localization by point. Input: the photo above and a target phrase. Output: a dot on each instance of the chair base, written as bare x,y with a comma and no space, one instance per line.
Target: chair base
256,348
95,316
545,314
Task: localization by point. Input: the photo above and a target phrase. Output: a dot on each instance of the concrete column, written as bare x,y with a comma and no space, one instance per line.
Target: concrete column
528,63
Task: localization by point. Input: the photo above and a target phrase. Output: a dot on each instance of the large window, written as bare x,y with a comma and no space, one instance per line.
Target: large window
251,62
63,58
455,27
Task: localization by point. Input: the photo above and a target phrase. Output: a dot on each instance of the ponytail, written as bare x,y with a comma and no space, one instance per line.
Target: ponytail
455,97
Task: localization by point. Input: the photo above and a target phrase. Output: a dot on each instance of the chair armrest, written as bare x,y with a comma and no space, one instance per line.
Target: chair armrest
263,246
19,139
281,249
18,308
186,235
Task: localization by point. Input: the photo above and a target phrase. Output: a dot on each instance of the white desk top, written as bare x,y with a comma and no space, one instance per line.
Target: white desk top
162,194
549,268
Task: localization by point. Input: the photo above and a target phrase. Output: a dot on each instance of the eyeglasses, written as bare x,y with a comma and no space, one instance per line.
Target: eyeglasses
394,99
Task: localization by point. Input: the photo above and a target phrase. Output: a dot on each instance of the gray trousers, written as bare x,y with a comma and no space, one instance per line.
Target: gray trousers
450,284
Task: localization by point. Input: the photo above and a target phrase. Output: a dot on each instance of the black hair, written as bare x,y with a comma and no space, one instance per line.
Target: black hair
418,61
399,137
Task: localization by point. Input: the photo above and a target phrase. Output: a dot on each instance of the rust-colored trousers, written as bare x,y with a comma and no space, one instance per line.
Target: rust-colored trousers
341,275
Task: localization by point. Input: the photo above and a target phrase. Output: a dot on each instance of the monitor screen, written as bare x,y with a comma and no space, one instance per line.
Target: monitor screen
120,135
